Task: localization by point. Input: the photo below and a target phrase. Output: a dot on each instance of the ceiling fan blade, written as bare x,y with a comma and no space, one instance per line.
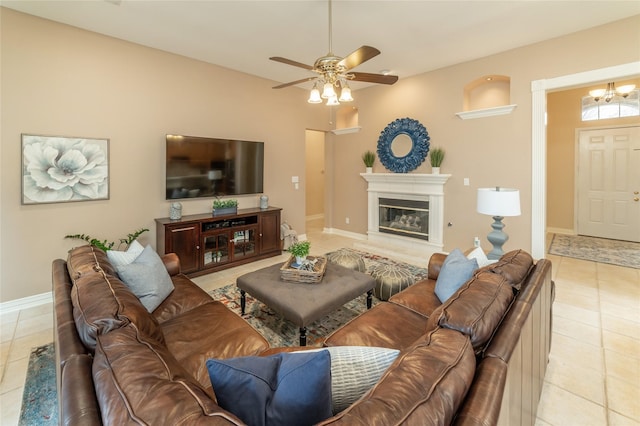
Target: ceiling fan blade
293,83
290,62
374,78
359,56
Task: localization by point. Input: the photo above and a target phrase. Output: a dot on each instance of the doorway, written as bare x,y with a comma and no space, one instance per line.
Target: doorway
315,178
608,183
539,90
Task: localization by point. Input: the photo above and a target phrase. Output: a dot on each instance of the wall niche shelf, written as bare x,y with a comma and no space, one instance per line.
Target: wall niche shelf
486,112
346,130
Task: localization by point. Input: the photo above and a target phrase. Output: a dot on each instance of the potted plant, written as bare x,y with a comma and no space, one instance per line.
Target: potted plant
436,155
221,207
105,245
369,157
300,250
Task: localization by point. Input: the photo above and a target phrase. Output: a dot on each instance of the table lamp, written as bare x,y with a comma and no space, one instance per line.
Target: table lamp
498,202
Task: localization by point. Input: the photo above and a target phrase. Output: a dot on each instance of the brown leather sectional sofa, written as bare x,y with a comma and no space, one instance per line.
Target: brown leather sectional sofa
479,358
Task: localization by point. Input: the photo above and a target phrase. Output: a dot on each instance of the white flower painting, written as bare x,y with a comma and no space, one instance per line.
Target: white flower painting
59,169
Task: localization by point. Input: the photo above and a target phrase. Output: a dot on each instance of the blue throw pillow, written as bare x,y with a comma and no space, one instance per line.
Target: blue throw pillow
282,389
455,271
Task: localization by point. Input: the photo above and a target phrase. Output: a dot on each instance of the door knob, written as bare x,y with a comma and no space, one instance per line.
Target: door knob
636,199
636,192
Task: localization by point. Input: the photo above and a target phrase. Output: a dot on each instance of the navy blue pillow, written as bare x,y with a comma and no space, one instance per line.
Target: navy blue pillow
281,389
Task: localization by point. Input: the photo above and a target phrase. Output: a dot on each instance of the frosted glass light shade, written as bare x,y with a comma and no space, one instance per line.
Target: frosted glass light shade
314,96
328,91
345,95
499,201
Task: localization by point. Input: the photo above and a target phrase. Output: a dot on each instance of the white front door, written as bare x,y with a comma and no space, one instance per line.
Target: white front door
609,183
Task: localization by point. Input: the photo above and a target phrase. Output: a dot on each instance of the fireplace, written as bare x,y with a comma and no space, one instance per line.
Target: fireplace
406,218
405,214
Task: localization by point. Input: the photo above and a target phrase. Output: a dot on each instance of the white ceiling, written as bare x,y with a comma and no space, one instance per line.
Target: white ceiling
414,36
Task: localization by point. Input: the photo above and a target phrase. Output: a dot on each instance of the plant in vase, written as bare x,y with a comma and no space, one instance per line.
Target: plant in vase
300,250
225,207
105,245
436,155
369,157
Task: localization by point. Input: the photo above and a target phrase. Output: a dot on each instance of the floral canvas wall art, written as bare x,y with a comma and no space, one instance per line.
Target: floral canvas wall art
59,169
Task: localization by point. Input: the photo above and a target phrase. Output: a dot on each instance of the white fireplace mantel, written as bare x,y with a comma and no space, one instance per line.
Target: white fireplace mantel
407,186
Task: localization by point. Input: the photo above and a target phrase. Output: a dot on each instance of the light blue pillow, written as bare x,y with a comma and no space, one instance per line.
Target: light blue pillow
281,389
147,278
455,271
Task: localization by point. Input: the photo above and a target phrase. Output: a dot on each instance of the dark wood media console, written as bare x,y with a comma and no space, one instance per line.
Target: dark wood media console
207,243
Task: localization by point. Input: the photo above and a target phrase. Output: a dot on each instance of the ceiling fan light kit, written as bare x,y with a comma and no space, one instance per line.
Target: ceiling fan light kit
333,73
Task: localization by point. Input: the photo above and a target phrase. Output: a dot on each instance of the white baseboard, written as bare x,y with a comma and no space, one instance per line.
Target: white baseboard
560,231
26,302
343,233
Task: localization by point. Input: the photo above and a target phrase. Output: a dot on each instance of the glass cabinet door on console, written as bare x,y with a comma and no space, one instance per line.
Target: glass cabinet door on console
244,243
215,249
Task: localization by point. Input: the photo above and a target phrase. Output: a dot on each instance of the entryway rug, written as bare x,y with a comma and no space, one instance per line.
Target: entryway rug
39,399
615,252
40,404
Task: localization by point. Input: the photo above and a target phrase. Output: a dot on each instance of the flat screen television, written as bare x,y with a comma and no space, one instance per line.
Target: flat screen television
200,167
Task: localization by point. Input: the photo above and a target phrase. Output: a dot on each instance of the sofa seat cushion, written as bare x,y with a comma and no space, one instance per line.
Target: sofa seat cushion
210,331
186,296
386,325
476,309
139,382
281,389
102,303
420,297
424,386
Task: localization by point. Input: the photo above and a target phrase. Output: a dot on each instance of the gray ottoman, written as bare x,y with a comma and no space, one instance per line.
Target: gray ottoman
348,259
390,280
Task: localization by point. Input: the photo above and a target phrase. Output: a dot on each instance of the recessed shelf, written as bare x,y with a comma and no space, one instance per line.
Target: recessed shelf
346,130
486,112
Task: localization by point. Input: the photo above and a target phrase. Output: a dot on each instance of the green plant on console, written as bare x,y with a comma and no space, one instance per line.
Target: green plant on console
300,249
224,204
369,157
104,244
436,155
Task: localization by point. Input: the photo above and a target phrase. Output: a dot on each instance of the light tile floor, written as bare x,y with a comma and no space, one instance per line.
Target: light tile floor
593,376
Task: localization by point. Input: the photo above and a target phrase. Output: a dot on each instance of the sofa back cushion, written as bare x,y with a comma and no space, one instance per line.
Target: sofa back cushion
102,303
424,386
87,260
514,266
138,381
476,309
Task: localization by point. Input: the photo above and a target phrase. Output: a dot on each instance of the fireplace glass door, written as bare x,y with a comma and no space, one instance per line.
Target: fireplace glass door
407,218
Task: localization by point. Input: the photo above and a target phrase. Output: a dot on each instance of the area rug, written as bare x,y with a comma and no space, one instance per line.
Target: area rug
621,253
280,332
39,400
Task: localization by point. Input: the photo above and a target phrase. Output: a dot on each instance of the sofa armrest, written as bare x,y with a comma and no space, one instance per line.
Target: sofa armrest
435,264
172,263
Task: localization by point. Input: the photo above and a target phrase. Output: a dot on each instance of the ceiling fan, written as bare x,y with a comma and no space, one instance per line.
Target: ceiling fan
334,71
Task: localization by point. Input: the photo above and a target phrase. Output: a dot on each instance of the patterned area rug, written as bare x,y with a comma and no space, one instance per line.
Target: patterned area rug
39,400
621,253
280,332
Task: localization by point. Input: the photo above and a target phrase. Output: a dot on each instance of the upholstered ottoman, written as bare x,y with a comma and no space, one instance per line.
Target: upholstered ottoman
348,259
390,280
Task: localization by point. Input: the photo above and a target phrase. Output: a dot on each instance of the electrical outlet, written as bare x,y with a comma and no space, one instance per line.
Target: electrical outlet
347,220
476,242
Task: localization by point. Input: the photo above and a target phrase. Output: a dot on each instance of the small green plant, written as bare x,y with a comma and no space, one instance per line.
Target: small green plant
104,244
369,157
436,155
299,249
223,204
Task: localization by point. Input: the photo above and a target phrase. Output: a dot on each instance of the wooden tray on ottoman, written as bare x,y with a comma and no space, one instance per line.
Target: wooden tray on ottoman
289,273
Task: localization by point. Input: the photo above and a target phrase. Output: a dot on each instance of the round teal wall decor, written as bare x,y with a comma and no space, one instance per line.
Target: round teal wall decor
397,161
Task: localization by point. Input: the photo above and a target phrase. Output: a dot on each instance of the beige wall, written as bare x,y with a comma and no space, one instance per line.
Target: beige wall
489,151
563,121
59,80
